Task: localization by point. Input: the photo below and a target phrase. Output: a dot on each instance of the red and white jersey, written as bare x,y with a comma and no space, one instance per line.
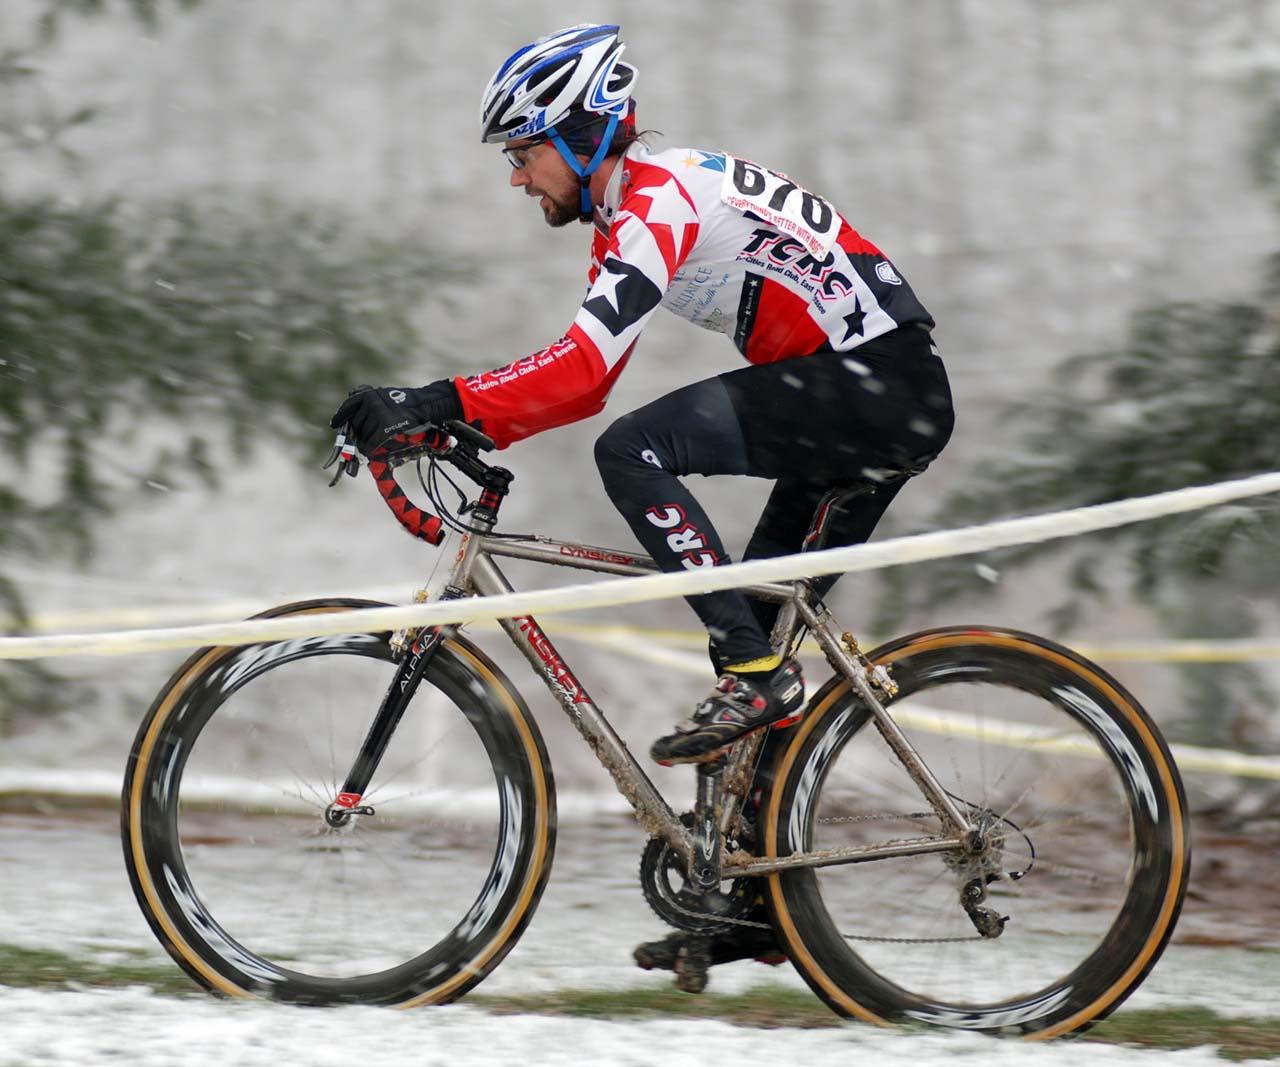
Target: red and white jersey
723,242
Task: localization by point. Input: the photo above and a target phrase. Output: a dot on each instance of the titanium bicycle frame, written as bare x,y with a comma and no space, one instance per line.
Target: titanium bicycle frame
476,572
723,783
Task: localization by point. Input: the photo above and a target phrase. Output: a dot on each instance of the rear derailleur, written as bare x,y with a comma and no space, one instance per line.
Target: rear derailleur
988,922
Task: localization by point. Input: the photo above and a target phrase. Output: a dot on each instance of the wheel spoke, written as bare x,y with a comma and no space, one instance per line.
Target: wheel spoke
248,859
1009,749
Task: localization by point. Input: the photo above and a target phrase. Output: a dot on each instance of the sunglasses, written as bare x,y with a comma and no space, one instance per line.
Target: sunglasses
519,157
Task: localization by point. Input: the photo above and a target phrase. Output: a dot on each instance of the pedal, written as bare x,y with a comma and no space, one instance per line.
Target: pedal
693,961
659,955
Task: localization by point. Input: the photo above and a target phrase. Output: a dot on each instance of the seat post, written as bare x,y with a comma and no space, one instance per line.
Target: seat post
824,514
787,624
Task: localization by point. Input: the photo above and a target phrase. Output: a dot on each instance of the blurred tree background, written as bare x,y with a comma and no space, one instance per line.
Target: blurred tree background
1189,396
142,346
144,337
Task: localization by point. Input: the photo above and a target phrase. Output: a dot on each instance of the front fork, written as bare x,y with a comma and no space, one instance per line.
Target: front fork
414,649
405,683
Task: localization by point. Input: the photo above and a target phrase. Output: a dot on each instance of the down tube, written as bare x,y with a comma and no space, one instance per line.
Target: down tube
652,811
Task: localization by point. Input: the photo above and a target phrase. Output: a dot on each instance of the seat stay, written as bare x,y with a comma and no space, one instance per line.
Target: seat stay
862,680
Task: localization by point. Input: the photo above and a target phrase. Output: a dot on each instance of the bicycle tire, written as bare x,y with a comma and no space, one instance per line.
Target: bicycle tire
1100,773
194,842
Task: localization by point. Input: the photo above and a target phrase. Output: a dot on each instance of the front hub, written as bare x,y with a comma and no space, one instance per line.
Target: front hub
338,815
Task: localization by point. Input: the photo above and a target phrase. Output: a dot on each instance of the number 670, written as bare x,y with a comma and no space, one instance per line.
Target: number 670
753,181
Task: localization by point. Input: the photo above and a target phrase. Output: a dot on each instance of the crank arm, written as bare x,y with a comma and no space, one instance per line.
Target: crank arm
705,867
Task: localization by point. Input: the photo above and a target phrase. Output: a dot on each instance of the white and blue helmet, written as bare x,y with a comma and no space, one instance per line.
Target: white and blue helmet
576,70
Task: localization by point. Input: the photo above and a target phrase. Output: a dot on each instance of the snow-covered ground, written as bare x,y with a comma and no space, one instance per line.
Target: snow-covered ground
143,1030
64,889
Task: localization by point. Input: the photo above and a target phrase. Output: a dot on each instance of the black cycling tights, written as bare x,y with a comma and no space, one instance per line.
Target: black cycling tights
812,423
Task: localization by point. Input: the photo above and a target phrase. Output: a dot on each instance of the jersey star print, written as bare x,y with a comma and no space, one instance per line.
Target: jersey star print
723,242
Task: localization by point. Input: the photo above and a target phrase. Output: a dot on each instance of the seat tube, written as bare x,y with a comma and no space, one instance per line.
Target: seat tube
787,623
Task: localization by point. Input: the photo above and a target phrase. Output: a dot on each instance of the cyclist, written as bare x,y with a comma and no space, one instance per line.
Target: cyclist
843,384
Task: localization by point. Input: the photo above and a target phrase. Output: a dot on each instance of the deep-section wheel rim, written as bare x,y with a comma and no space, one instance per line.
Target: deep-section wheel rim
977,983
418,897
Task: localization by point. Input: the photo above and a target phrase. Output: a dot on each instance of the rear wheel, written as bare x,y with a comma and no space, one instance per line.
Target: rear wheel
413,898
1077,797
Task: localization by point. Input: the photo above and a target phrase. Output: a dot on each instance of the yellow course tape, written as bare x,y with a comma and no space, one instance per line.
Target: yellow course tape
1011,734
1196,650
1201,650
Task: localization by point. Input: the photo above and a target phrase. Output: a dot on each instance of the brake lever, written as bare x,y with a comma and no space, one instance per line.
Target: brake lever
464,431
344,455
416,443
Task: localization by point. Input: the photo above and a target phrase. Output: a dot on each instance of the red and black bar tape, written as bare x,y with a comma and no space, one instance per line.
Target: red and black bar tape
421,524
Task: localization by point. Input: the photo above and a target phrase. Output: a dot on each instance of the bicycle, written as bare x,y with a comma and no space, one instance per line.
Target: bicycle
1016,865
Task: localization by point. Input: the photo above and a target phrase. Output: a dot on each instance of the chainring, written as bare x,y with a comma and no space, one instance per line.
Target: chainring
666,888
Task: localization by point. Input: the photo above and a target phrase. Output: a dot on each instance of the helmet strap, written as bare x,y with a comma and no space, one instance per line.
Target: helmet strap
584,173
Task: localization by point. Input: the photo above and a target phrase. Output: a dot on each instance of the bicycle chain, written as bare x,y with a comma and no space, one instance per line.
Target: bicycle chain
726,919
867,938
844,819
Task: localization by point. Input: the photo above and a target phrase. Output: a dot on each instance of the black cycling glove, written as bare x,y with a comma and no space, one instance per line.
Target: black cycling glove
373,416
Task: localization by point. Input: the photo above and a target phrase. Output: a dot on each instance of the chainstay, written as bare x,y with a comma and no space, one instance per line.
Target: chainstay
911,940
864,938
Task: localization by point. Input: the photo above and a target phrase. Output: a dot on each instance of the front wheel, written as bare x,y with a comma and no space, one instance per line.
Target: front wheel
1077,890
411,899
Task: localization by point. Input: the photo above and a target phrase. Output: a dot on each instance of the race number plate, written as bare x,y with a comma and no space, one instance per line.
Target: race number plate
781,203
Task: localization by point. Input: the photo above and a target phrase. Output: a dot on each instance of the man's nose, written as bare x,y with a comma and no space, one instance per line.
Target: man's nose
518,177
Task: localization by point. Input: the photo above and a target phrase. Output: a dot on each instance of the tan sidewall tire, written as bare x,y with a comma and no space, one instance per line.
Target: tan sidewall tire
462,671
839,976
